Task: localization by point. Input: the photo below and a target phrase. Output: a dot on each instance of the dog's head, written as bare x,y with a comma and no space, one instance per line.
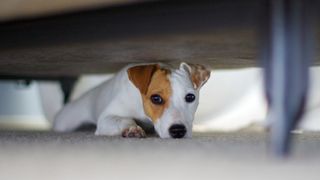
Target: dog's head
170,96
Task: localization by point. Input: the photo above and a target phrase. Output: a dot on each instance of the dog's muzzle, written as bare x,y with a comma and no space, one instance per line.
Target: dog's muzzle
177,131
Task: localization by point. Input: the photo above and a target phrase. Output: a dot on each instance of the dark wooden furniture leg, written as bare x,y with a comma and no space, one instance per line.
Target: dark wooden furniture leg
67,84
287,52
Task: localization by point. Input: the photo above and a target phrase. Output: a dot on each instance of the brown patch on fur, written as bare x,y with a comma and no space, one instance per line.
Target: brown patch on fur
198,74
151,79
159,84
141,76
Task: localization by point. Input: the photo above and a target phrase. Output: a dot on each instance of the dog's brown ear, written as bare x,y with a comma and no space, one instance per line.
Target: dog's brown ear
141,76
199,74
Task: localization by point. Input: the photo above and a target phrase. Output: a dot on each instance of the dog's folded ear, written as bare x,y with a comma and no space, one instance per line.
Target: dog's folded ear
141,76
199,74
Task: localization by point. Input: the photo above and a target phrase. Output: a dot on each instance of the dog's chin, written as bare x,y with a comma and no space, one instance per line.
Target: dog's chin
162,133
165,136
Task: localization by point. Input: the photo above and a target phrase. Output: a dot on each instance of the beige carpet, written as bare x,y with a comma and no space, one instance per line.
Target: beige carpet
243,155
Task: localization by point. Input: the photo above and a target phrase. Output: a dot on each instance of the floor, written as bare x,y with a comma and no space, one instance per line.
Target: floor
241,155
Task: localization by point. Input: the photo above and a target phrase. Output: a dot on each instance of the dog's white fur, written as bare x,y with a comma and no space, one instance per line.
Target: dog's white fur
115,104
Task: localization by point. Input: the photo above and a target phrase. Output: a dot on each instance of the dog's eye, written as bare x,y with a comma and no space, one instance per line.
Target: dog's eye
190,98
156,99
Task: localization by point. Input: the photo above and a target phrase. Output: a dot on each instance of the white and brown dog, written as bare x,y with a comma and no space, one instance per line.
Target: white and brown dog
151,93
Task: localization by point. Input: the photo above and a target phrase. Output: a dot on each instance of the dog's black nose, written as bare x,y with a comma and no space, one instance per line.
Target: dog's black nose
177,131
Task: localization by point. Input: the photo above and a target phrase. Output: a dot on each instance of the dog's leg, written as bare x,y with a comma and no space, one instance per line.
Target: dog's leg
115,126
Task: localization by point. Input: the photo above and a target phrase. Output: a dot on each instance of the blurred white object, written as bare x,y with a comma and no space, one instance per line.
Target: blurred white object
20,107
311,119
231,100
51,99
234,99
87,82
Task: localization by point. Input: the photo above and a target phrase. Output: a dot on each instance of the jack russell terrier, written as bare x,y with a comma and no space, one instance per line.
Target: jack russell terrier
150,93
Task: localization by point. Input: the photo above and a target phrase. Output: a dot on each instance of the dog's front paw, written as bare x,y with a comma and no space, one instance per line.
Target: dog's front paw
134,132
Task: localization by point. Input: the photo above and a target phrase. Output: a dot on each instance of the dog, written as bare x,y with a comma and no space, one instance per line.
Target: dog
156,94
